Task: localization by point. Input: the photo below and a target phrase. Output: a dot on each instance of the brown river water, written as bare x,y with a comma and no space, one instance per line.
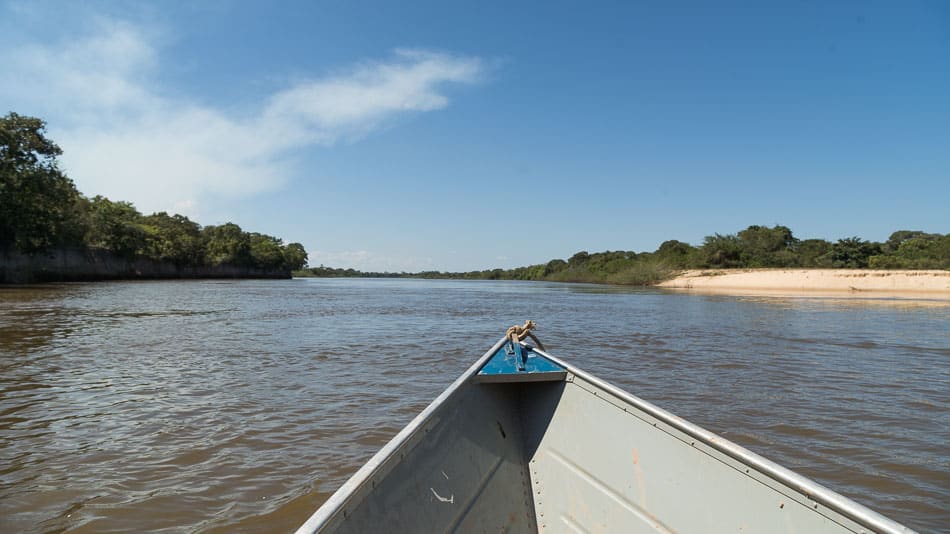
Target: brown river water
240,406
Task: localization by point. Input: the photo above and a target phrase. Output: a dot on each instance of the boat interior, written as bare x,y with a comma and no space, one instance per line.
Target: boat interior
552,449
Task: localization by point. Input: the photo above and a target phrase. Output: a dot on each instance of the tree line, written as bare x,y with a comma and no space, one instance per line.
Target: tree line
41,209
754,247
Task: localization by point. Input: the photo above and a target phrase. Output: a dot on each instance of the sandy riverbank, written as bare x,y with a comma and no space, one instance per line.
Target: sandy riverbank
858,282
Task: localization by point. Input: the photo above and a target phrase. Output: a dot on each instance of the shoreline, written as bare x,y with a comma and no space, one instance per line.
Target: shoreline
77,264
857,283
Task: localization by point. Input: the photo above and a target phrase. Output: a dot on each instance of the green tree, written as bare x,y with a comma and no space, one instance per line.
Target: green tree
762,246
295,256
920,251
721,251
38,203
675,254
853,253
174,238
554,266
578,259
814,253
118,227
227,243
894,242
266,251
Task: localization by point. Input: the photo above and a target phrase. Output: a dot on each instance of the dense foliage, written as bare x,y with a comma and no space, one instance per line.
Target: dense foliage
331,272
40,208
754,247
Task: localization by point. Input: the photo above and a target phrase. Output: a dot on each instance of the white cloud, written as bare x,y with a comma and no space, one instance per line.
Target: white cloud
351,104
99,77
124,137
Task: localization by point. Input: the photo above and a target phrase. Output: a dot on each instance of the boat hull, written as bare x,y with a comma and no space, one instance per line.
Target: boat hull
574,455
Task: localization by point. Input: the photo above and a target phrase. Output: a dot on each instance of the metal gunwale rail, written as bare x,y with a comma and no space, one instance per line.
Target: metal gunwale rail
811,489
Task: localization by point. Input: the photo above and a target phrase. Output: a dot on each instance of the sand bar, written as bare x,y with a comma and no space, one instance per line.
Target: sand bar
856,282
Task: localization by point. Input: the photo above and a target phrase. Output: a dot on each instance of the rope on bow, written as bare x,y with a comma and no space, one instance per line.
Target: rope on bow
516,333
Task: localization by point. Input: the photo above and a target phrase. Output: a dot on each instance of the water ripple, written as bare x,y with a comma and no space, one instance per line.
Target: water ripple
241,405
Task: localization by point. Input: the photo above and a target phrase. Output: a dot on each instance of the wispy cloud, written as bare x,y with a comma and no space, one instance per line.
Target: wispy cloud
128,137
324,110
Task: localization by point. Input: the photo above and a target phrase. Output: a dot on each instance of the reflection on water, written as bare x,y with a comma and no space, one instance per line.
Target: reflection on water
887,297
241,405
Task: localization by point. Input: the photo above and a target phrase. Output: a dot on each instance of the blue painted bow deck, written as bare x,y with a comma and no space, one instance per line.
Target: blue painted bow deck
519,363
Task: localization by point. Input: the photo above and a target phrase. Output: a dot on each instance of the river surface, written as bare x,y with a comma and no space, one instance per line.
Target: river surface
241,406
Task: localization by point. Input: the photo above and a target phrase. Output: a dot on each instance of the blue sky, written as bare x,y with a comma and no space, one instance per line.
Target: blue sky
457,136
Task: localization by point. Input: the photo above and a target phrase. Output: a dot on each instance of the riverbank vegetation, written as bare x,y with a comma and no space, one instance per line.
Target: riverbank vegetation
41,210
754,247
